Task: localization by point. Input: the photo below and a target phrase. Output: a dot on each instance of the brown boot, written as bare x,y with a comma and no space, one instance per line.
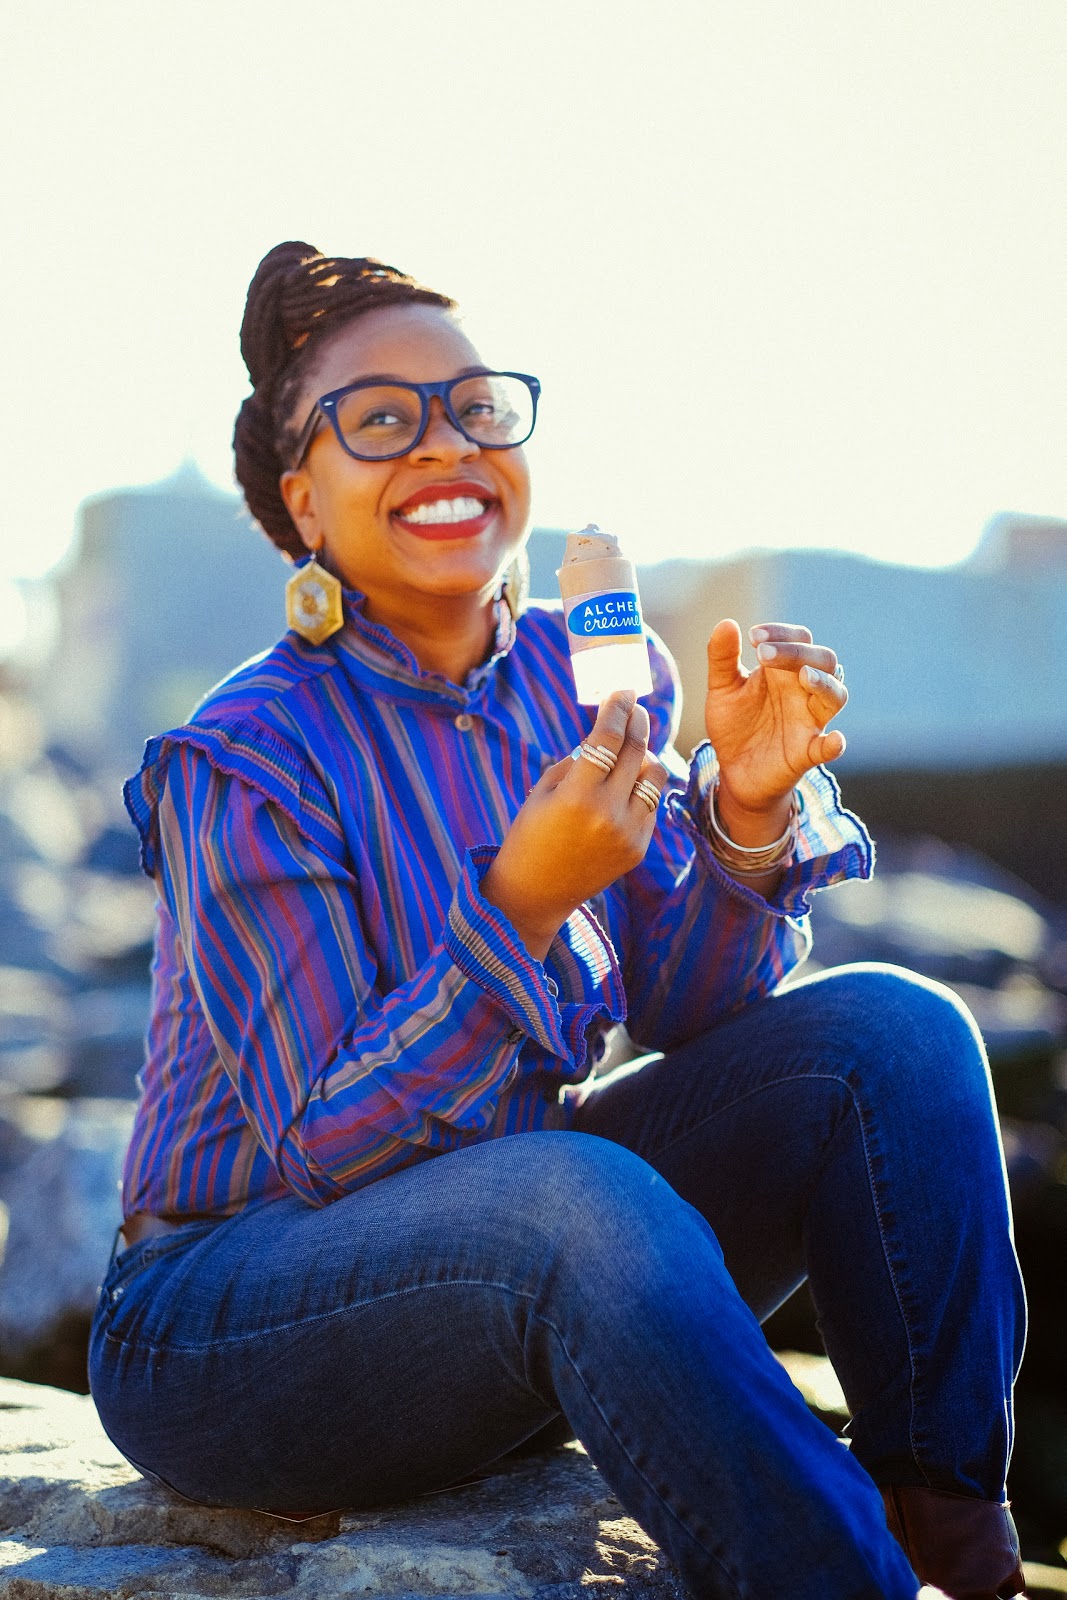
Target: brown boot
968,1548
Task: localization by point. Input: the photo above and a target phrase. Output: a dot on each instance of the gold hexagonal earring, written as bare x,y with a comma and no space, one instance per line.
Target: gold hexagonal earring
313,602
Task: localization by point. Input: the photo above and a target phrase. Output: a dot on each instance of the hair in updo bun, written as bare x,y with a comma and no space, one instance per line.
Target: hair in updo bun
296,301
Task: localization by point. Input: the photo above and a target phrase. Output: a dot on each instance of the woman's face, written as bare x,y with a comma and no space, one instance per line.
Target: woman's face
358,513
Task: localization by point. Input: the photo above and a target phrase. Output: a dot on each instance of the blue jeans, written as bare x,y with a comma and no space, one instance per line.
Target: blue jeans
409,1334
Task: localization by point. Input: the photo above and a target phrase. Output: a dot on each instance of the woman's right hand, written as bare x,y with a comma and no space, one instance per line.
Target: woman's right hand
579,830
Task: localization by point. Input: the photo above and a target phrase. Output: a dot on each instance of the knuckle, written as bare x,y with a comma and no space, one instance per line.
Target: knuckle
609,728
636,853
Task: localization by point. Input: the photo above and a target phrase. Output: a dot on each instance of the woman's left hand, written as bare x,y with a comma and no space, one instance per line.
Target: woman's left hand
768,726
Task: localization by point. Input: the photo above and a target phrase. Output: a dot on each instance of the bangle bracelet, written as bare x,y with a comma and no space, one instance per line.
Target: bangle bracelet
752,861
757,849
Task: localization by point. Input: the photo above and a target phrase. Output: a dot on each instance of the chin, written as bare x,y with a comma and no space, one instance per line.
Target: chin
468,578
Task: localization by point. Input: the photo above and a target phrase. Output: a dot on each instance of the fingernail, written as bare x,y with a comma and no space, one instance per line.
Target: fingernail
812,678
756,634
766,652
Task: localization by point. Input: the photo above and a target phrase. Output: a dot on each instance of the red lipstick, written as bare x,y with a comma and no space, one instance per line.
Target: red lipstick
452,520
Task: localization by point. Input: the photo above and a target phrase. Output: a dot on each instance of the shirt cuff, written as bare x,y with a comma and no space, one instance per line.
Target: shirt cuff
832,843
560,1011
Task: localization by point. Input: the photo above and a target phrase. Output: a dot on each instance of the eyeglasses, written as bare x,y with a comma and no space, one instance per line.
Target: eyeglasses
376,421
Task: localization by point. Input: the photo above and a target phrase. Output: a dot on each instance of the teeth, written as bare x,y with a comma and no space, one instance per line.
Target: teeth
462,509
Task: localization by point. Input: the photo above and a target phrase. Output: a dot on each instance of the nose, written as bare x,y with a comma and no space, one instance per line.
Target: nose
442,440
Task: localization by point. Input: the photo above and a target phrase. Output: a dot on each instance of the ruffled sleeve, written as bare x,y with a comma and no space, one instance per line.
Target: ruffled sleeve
242,749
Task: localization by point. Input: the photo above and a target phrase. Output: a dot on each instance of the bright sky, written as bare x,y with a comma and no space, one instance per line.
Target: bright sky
790,274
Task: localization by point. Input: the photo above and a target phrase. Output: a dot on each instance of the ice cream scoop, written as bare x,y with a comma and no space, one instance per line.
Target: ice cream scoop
602,609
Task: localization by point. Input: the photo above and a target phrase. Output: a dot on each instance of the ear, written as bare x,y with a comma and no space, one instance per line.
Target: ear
298,492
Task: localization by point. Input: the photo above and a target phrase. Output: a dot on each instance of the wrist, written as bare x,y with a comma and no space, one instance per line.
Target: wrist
751,825
537,929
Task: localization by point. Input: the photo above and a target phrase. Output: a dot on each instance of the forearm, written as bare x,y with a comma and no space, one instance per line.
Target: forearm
340,1082
700,949
699,942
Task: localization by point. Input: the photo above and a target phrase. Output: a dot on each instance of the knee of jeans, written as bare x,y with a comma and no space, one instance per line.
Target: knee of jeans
908,1030
604,1209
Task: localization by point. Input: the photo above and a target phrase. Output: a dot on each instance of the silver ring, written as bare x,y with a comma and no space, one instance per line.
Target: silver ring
598,754
839,673
647,792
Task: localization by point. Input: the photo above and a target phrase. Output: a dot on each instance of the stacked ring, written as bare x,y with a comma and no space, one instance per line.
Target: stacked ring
598,754
839,673
647,792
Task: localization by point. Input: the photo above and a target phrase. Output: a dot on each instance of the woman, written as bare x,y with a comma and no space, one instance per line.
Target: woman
382,1224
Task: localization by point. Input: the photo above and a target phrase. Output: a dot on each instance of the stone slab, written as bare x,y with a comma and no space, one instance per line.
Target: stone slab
77,1522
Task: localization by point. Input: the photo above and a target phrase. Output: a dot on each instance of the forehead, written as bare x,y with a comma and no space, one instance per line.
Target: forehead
418,342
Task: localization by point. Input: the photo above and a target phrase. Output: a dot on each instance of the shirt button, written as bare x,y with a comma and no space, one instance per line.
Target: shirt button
514,1035
464,722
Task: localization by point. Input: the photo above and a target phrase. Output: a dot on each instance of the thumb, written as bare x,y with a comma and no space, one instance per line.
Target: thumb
724,656
826,747
553,776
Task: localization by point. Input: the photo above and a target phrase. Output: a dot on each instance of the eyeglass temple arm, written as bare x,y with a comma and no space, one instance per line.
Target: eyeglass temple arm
307,433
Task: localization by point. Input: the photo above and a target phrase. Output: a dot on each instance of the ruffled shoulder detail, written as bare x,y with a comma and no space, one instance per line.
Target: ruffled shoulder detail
243,749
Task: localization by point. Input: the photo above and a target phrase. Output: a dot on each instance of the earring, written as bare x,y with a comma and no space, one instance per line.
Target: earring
515,590
313,602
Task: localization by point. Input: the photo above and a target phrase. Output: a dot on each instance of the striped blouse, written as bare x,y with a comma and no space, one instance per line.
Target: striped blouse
332,998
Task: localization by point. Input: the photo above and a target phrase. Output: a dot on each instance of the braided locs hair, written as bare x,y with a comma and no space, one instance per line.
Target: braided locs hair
297,300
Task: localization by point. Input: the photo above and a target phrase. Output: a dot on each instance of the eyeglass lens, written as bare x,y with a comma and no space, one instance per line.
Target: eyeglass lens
383,419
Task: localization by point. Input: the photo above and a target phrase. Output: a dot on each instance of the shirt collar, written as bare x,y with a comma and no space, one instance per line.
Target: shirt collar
373,656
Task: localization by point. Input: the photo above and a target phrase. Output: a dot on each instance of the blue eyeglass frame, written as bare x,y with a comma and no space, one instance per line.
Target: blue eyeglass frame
325,409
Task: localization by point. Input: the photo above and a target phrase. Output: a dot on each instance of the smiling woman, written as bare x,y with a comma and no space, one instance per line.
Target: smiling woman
403,498
384,1222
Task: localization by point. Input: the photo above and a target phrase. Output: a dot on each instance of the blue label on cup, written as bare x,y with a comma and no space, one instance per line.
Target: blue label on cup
613,615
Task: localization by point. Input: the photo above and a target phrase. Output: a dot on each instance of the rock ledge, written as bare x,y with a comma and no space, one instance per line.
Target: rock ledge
77,1522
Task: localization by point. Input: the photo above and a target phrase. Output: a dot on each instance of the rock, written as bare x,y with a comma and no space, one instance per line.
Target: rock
60,1187
77,1522
107,1053
949,913
34,1030
819,1384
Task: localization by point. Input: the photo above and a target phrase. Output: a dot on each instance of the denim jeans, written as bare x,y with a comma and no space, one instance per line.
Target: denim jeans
298,1359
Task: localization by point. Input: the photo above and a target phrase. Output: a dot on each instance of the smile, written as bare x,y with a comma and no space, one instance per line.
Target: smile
463,508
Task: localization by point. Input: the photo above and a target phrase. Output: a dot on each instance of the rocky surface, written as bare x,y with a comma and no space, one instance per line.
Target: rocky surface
60,1166
78,1523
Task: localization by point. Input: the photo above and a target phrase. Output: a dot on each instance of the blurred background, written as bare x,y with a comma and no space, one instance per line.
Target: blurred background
792,278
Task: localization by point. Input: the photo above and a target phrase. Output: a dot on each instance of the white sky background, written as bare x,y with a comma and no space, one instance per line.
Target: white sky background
790,274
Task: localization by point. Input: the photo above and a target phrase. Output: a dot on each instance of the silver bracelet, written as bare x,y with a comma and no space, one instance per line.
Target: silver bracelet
752,861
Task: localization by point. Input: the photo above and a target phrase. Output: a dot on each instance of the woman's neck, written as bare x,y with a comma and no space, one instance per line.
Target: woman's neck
447,634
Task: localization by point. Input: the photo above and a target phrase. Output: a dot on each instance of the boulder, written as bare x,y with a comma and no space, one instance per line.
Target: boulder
77,1522
60,1168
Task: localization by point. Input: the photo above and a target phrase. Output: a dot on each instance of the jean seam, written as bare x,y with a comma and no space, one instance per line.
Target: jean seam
675,1516
913,1381
830,1077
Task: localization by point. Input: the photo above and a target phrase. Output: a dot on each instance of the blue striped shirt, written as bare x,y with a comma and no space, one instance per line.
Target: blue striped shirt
332,998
